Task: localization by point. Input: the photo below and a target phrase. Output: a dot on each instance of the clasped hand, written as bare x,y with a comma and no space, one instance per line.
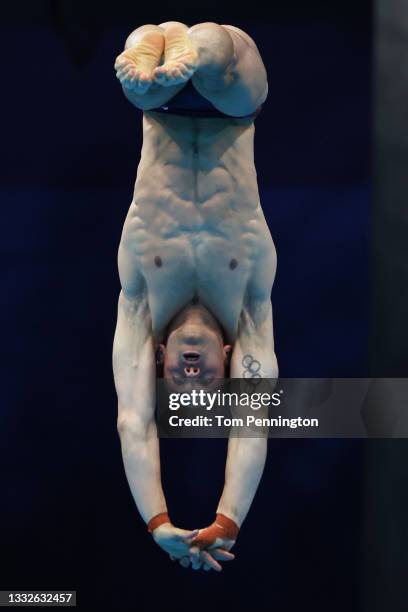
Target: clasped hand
187,547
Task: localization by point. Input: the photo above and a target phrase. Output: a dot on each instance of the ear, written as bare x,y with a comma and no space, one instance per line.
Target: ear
160,353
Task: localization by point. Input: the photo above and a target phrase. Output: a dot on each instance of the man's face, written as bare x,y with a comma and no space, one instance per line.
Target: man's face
194,354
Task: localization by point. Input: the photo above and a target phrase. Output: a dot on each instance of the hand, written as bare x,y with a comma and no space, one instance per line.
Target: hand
209,542
205,559
176,542
221,533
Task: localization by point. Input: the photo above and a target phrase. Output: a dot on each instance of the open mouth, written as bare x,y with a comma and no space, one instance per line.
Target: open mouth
191,356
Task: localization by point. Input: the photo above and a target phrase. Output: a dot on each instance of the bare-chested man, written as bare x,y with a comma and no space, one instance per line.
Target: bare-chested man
196,259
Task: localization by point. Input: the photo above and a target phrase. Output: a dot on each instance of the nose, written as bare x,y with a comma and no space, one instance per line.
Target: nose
191,371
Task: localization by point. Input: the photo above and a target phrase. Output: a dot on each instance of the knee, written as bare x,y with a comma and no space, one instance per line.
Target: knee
210,32
212,36
206,26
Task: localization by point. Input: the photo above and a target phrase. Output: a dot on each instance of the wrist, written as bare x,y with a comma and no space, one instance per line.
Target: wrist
157,520
229,526
228,512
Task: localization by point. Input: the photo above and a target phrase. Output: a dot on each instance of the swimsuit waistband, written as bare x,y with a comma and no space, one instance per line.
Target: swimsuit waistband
202,113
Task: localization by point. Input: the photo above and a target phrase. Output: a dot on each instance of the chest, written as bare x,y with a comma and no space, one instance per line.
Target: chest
214,268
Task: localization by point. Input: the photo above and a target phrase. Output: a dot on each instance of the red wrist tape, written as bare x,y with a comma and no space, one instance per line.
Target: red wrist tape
157,520
230,528
223,527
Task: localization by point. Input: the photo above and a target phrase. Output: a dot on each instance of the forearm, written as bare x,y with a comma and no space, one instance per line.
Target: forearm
141,458
244,468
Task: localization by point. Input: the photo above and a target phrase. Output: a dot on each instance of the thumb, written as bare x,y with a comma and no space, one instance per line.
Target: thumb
187,535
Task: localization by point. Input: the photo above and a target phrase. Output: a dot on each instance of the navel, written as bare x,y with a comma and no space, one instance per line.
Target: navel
158,261
233,264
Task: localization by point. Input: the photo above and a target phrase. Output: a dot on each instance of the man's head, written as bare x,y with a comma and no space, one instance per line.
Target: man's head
195,353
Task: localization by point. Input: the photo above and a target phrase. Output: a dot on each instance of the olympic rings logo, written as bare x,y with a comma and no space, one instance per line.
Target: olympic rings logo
252,370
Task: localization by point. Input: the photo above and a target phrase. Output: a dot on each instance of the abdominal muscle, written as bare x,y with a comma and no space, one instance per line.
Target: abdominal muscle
196,222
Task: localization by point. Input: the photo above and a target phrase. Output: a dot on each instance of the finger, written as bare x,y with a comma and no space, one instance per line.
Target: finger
184,562
187,535
194,553
196,564
207,568
207,558
220,543
222,555
172,558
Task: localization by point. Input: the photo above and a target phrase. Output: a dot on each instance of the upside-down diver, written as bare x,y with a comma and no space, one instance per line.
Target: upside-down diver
196,259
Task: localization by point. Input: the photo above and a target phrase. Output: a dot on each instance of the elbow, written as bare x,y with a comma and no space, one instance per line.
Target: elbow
133,430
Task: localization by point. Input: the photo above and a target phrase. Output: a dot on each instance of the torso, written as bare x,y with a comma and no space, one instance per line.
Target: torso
195,224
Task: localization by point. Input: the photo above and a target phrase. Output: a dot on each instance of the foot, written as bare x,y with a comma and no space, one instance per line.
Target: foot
135,66
180,58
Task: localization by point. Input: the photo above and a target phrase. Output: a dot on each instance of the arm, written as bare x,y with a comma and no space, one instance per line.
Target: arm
134,372
246,456
135,376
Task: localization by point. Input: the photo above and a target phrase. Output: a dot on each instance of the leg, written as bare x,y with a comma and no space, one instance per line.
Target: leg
230,70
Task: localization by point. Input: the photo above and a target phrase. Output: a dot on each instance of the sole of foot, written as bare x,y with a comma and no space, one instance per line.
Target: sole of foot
135,66
180,58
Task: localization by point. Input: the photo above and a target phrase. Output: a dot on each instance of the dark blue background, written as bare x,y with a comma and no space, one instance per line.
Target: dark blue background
72,147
